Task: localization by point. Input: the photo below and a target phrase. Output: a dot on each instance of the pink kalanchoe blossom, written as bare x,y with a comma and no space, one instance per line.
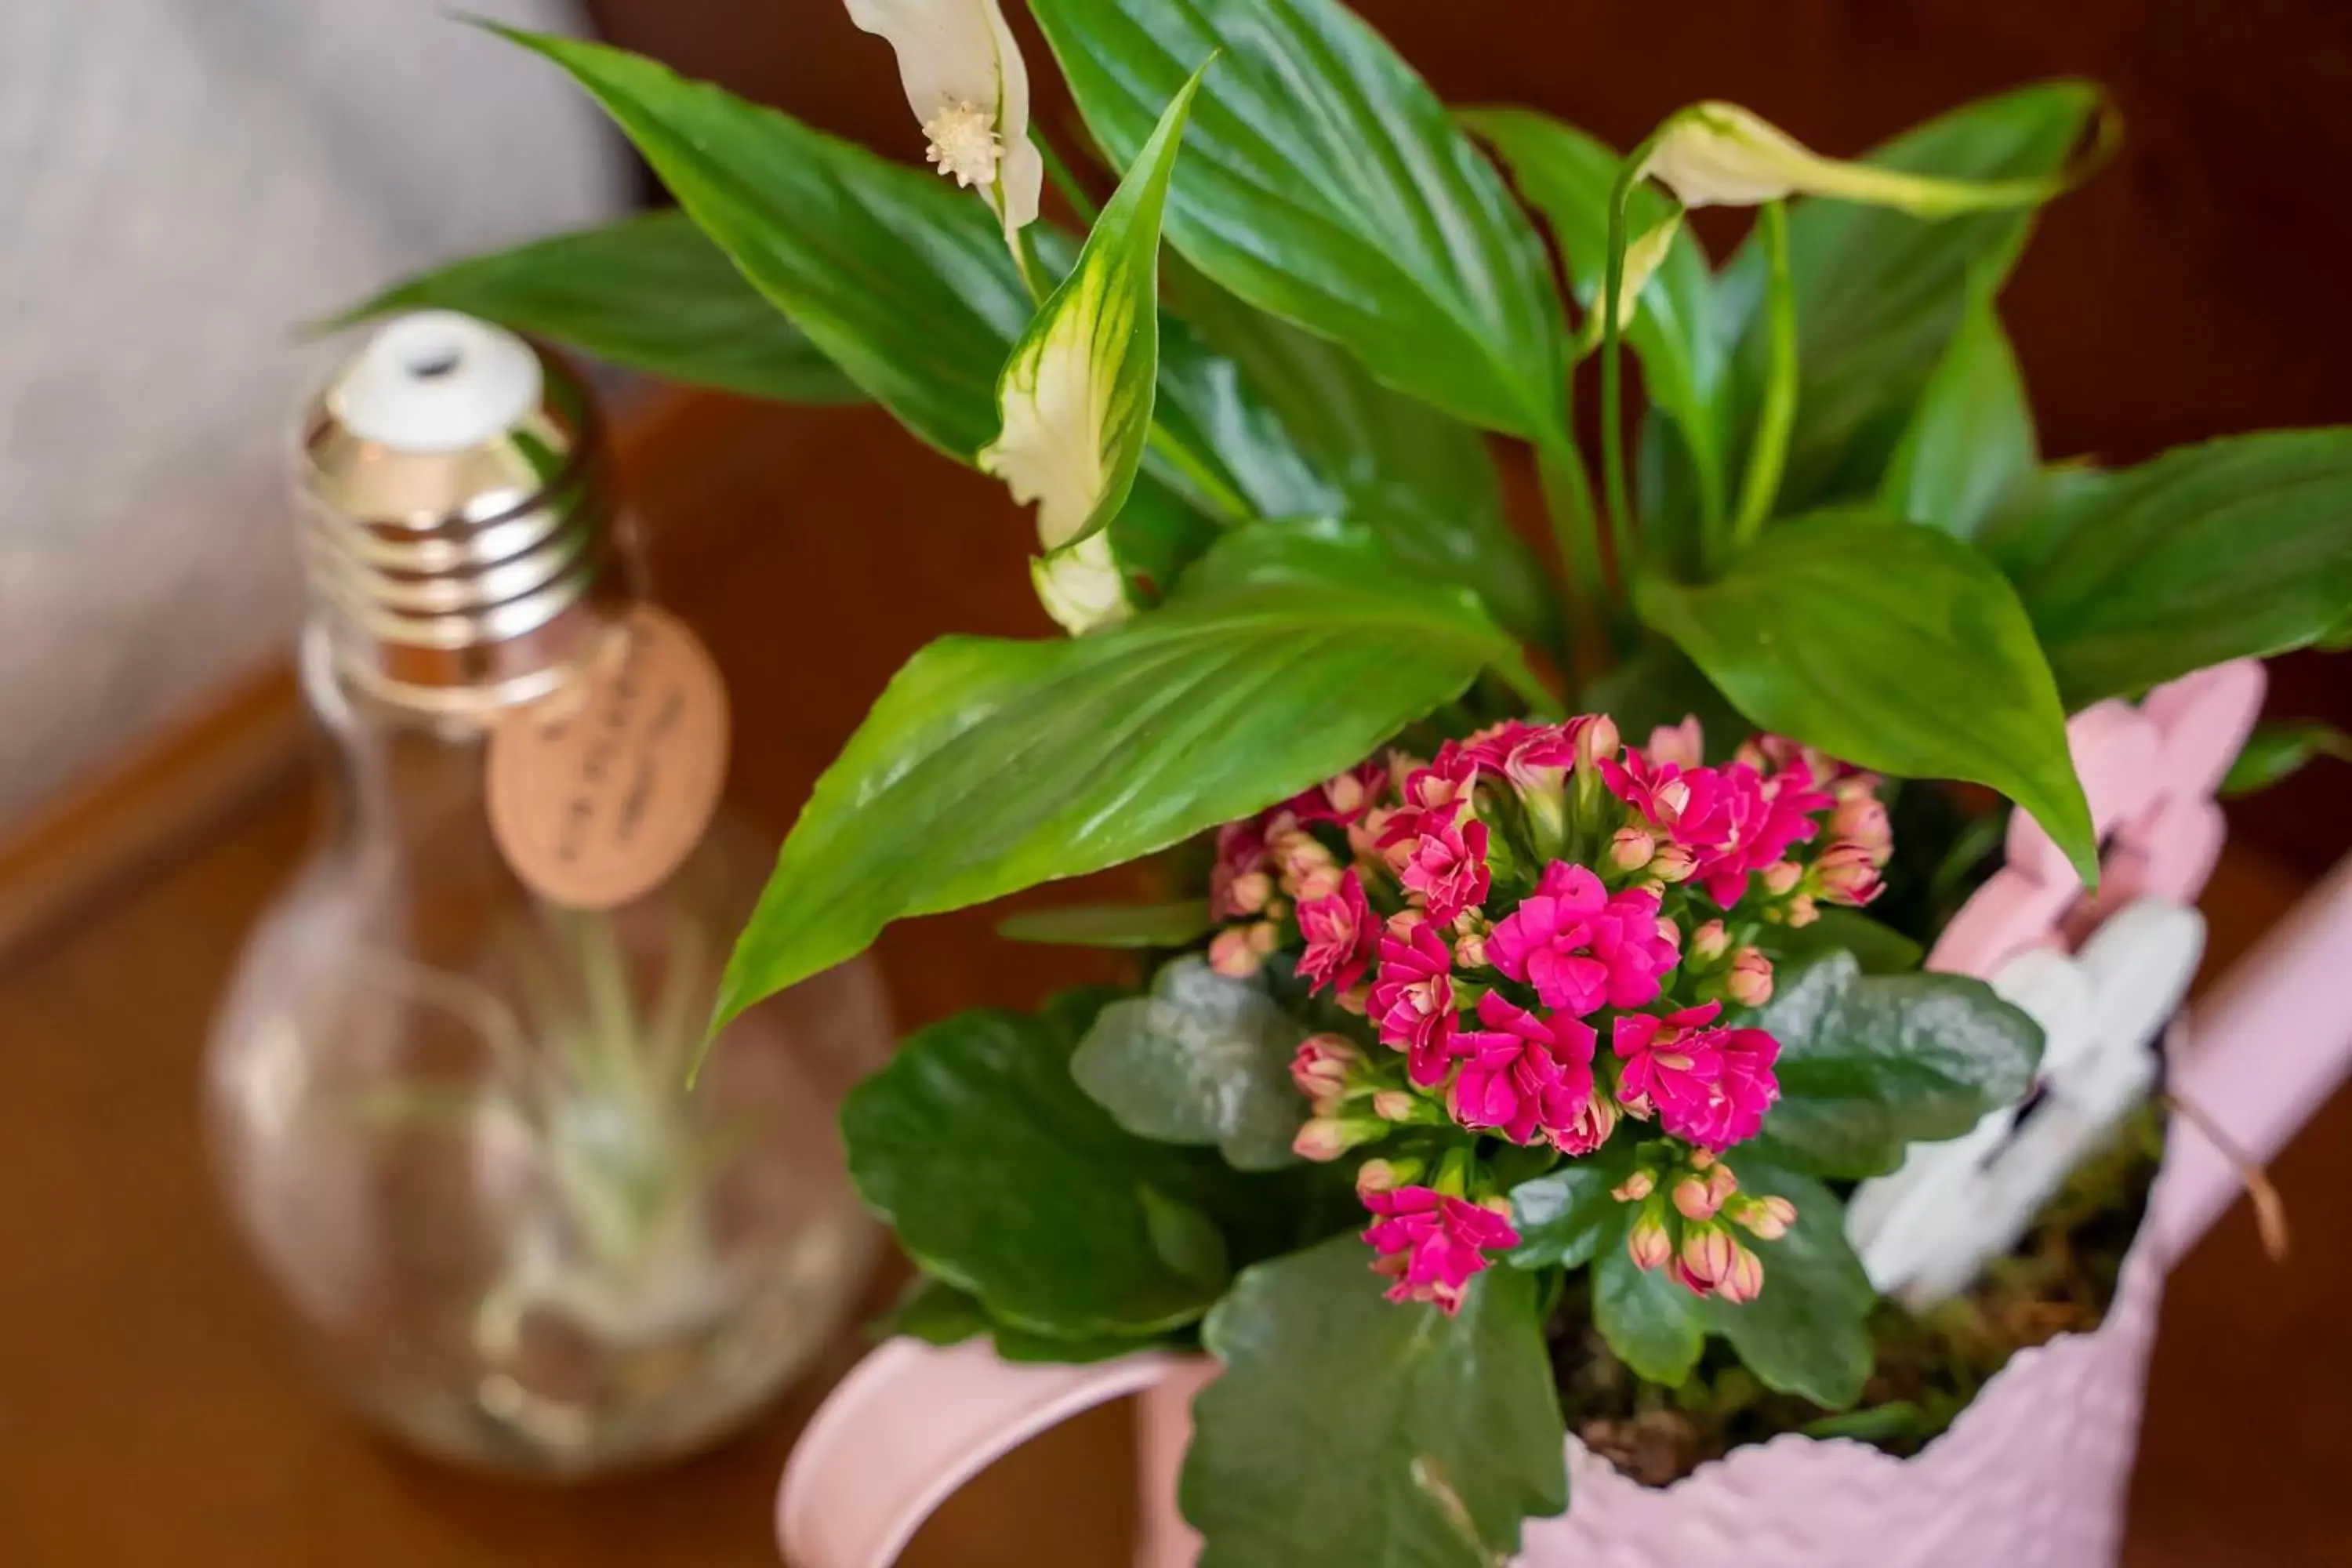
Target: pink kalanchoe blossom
1522,1075
1241,856
1446,871
1750,983
1531,756
1339,933
1433,1244
1848,874
1736,823
1430,795
1238,953
1412,1002
1711,1086
1682,744
1658,792
1591,1125
1582,947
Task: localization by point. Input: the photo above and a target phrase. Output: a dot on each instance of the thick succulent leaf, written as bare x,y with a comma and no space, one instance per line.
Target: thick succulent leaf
1204,1059
1003,1180
1323,182
992,766
1346,1429
1567,1216
1872,1064
1899,648
2237,548
1075,395
651,293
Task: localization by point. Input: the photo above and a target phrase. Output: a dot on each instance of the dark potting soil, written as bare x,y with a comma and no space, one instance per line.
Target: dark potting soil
2061,1279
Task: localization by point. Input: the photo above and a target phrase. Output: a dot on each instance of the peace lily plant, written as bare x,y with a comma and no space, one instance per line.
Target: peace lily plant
1516,981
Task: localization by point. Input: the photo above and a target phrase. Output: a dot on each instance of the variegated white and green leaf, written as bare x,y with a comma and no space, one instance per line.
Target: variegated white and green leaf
1076,395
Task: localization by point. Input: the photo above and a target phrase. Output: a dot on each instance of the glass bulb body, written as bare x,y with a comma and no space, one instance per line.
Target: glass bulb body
455,1120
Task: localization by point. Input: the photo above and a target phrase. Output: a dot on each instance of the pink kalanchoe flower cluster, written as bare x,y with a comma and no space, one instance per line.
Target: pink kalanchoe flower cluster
1491,915
1431,1244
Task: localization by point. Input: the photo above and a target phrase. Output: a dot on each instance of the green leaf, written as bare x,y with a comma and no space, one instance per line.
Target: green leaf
1348,1429
1323,182
1076,393
2275,751
937,1313
1871,1064
2238,548
1568,176
1897,649
1110,925
1808,1333
1653,1323
652,293
990,765
1567,1216
1659,685
1880,294
1878,949
1004,1180
1969,454
902,280
1211,407
1204,1059
1422,482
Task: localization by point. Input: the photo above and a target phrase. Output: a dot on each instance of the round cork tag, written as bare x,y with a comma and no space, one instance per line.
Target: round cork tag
598,791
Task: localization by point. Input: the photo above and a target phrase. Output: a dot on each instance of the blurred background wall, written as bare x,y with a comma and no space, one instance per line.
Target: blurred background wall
183,183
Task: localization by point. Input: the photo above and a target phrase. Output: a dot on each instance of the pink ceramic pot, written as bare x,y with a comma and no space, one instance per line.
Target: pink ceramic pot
2032,1475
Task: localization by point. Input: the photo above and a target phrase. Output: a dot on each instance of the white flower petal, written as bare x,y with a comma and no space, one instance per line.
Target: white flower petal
1643,257
956,57
1082,587
1719,154
1055,399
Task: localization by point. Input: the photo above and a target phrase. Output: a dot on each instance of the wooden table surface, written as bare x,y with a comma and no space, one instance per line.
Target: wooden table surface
154,1411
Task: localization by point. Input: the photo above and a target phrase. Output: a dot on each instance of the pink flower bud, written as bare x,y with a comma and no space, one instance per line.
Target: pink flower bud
1634,1188
1312,882
1230,954
1847,874
1781,876
1708,1254
1863,820
1249,892
1647,1243
1709,941
1702,1160
1673,863
1381,1176
1596,737
1768,1219
1801,911
1694,1198
1744,1281
1325,1138
1632,849
1471,929
1392,1105
1320,1067
1750,980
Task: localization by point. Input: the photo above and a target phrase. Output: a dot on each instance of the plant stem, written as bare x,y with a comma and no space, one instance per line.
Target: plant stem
1613,390
1568,505
1761,485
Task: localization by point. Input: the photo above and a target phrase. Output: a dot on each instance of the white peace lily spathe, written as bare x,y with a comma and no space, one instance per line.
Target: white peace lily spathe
1642,259
968,85
1076,395
1719,154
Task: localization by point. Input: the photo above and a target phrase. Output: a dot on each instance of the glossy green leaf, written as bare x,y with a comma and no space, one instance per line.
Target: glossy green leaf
1567,1216
1969,454
1878,949
1213,408
2237,548
1871,1064
2276,752
1110,925
1423,483
991,765
1003,1179
1897,649
937,1313
1568,176
1075,395
652,293
1204,1059
1808,1333
902,280
1323,182
1880,293
1348,1429
1649,1320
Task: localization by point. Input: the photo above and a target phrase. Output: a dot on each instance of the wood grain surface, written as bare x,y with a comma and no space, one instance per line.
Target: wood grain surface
153,1412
